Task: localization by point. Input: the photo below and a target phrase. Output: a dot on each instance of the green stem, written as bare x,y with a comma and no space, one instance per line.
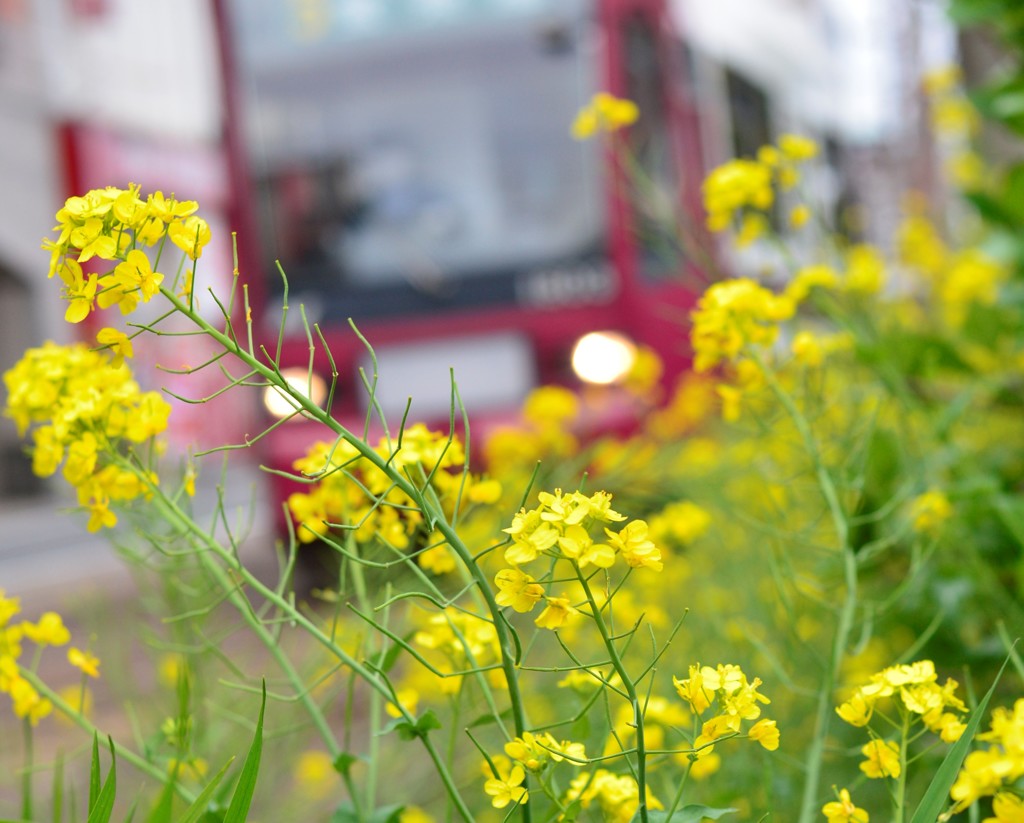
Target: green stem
431,511
244,608
373,755
26,776
287,608
901,782
679,792
628,685
139,762
847,610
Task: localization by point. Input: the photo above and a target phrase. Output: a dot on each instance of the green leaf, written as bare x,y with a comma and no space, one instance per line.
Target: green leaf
162,810
386,662
238,809
687,814
195,812
974,12
94,772
1003,101
100,811
489,717
343,763
410,731
1011,512
58,788
937,795
346,813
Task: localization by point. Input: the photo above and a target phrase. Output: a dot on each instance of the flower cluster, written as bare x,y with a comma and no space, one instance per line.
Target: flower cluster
87,407
929,511
351,492
732,315
111,225
993,770
457,641
617,795
605,112
915,689
843,810
535,752
957,279
49,630
746,189
731,699
560,527
955,122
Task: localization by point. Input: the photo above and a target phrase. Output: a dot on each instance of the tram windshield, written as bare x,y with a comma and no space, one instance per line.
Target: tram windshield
404,166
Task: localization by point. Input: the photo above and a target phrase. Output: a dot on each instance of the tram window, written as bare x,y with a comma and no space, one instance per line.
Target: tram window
750,113
748,110
655,196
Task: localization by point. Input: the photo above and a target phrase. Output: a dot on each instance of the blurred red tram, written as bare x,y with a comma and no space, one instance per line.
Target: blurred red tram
410,164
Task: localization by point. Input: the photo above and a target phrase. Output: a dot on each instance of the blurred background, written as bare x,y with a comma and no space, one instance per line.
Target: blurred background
410,164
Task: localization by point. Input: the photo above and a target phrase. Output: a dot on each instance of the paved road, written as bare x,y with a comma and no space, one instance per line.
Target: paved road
45,547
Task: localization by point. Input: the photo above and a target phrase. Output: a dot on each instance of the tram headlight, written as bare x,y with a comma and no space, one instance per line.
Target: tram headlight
603,357
281,405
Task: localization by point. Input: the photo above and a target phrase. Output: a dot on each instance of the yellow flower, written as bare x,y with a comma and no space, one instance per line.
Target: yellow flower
314,771
843,810
437,559
414,814
556,613
766,733
807,351
929,511
798,148
865,270
809,278
507,790
856,711
79,291
551,406
118,342
736,185
799,216
517,589
752,227
190,235
1007,808
84,661
693,691
408,699
27,701
733,314
605,112
48,631
883,759
633,544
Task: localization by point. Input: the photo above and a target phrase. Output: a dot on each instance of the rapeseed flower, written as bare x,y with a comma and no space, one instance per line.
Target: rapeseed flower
883,759
605,112
508,789
843,810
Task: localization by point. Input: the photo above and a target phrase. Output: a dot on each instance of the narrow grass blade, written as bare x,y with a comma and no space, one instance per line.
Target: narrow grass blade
104,806
238,809
94,772
937,795
58,788
198,808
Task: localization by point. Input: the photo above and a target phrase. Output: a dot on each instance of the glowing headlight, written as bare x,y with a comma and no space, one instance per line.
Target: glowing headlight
280,405
603,357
